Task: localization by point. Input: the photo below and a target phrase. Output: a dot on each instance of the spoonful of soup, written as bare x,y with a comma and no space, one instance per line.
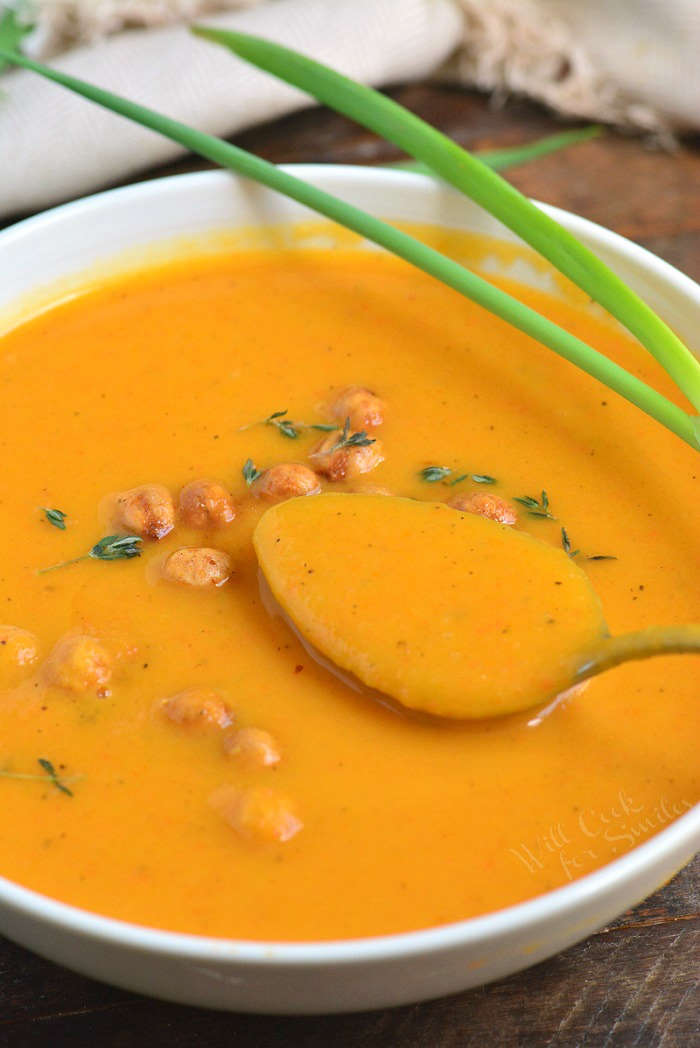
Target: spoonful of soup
443,612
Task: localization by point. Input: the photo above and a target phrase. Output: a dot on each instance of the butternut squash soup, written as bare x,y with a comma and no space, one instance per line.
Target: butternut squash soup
170,753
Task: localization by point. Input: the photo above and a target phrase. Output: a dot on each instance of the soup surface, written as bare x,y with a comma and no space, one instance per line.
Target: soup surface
201,772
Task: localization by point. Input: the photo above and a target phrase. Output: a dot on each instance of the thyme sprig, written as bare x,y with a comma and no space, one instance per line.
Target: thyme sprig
536,507
566,546
351,440
111,547
56,517
53,776
291,428
434,474
116,547
286,427
48,768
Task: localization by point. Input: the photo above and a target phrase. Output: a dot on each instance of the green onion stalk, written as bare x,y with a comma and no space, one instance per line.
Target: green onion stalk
483,185
397,242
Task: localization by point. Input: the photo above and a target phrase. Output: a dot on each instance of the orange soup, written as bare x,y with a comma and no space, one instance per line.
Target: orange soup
170,753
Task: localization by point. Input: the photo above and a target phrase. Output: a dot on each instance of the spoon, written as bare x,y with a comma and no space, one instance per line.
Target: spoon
443,612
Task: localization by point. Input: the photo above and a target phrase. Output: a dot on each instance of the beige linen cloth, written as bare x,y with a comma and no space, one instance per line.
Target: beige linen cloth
634,62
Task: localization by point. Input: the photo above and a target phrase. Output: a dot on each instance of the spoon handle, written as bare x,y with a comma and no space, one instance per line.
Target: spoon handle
643,644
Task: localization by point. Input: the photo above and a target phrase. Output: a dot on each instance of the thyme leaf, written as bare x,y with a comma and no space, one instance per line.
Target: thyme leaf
432,474
536,507
566,545
250,473
116,547
53,776
351,440
56,517
482,478
111,547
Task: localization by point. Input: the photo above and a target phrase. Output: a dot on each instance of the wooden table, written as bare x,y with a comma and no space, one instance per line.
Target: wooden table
634,982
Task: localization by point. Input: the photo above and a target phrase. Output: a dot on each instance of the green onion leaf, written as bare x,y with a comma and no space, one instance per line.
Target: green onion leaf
13,28
472,177
499,159
394,240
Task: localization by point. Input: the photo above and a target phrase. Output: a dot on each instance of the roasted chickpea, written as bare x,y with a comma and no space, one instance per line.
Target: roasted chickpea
349,461
79,663
148,511
206,504
18,652
493,507
258,813
254,746
288,480
197,708
198,566
360,405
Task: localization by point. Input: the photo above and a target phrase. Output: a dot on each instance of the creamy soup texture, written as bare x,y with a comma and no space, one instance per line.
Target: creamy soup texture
201,772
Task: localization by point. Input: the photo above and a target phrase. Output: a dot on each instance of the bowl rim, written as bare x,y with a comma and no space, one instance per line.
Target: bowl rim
585,227
565,901
559,903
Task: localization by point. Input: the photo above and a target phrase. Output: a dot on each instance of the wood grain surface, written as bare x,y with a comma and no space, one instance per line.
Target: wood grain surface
633,983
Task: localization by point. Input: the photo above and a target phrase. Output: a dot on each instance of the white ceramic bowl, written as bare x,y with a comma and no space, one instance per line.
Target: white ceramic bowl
364,973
